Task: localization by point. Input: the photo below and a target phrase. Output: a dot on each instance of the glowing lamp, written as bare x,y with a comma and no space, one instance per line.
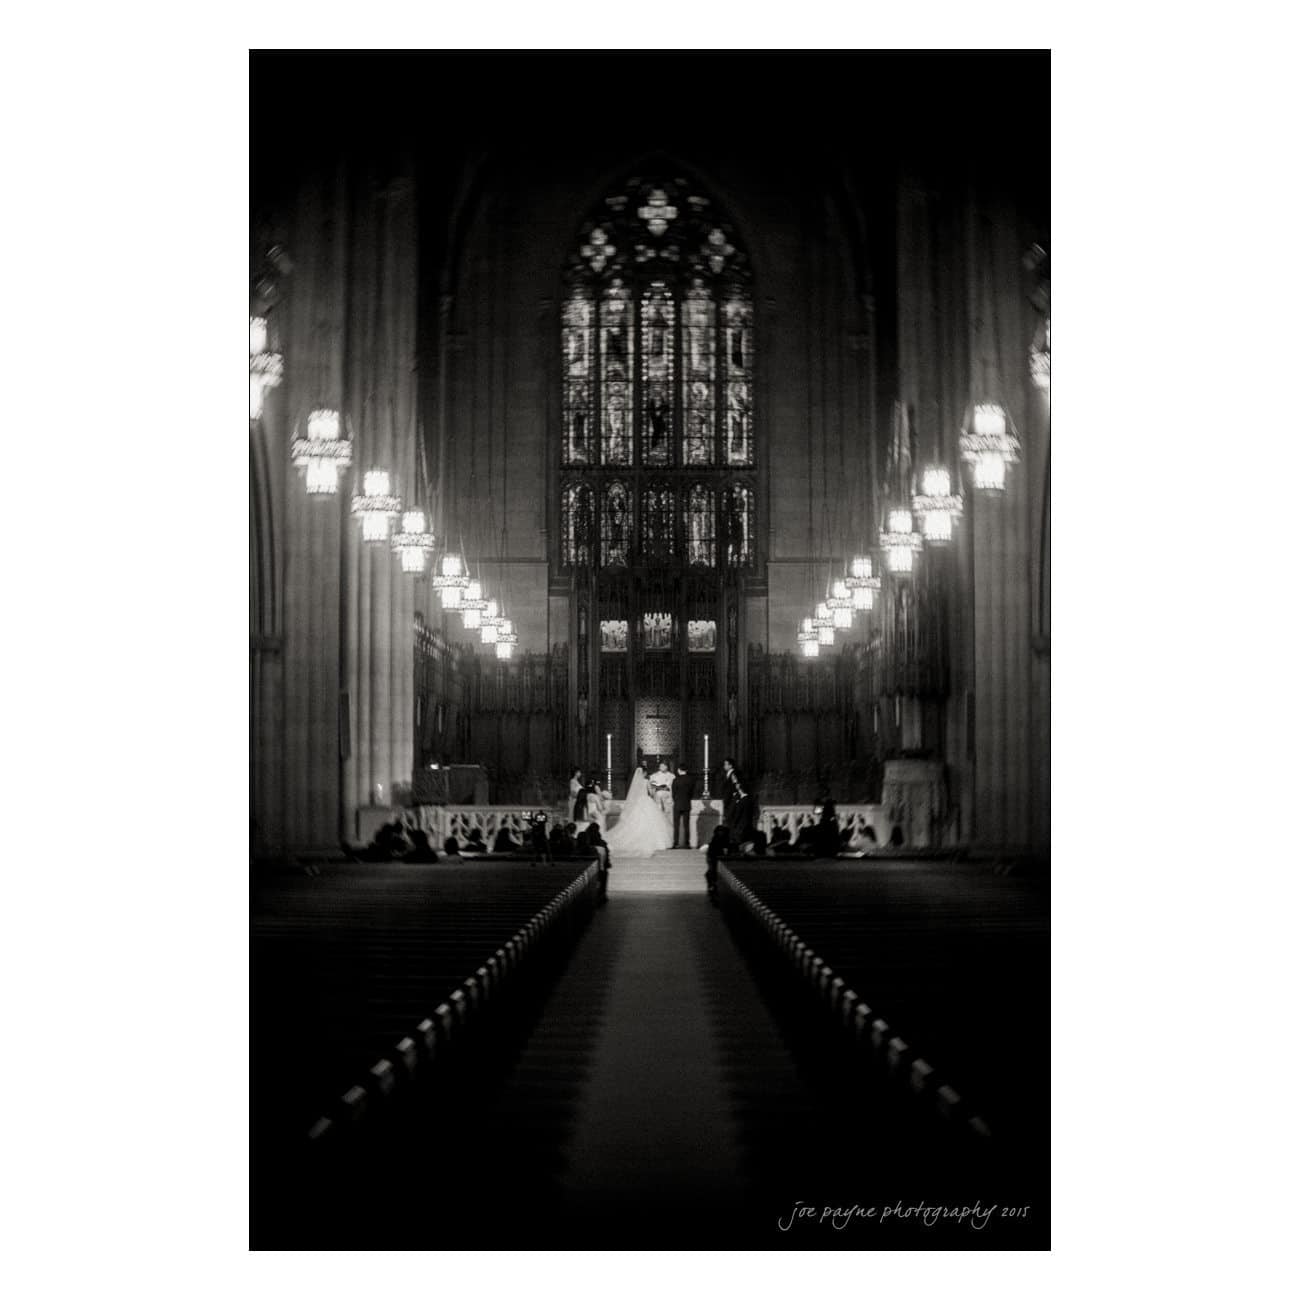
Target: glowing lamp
823,620
861,583
841,604
938,508
265,368
899,542
1040,357
451,580
377,508
413,544
989,444
488,623
472,606
507,639
322,453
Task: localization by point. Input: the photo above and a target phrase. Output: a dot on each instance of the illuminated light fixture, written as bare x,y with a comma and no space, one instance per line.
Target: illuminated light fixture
899,542
322,453
377,508
507,639
265,368
451,582
989,444
1040,356
413,544
489,623
841,604
823,620
472,606
938,507
861,583
808,642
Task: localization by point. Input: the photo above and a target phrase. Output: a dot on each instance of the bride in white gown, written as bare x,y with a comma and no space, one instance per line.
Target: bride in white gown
642,828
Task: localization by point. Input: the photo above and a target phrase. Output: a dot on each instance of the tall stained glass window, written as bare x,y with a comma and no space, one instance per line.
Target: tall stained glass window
578,523
658,516
738,324
658,384
700,380
579,380
616,375
616,526
738,524
658,363
701,545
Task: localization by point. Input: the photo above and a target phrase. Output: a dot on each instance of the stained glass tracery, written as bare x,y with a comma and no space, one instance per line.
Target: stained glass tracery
657,376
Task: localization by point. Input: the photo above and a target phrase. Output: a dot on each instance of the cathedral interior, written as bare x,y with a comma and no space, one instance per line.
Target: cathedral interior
618,407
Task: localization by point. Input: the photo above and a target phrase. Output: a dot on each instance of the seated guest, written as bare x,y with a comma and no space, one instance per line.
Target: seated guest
505,842
537,842
474,842
450,847
755,846
422,850
806,843
592,840
563,840
862,840
389,842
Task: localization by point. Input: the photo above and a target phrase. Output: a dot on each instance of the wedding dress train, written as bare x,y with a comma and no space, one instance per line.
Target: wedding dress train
642,828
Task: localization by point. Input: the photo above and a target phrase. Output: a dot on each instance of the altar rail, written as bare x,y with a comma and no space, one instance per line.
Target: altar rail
442,820
880,817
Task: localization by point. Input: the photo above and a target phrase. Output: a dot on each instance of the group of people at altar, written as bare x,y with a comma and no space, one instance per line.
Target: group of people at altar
656,812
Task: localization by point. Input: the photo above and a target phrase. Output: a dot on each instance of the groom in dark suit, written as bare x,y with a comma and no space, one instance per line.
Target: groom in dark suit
683,793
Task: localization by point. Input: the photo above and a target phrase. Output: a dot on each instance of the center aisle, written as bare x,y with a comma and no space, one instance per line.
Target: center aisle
660,1095
654,1124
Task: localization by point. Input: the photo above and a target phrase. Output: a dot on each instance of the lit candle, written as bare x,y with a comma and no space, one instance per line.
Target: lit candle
706,751
609,751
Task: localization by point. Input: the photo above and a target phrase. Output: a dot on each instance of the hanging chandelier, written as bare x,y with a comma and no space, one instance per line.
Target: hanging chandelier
860,582
472,606
989,443
322,453
938,507
507,639
899,542
265,368
377,508
824,622
413,544
808,641
840,602
451,581
489,623
1040,356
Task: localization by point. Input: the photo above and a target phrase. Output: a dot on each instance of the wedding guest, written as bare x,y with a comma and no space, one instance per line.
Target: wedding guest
592,840
450,847
422,850
505,842
683,790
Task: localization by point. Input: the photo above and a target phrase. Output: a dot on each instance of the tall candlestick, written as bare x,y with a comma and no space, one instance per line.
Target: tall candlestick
706,764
